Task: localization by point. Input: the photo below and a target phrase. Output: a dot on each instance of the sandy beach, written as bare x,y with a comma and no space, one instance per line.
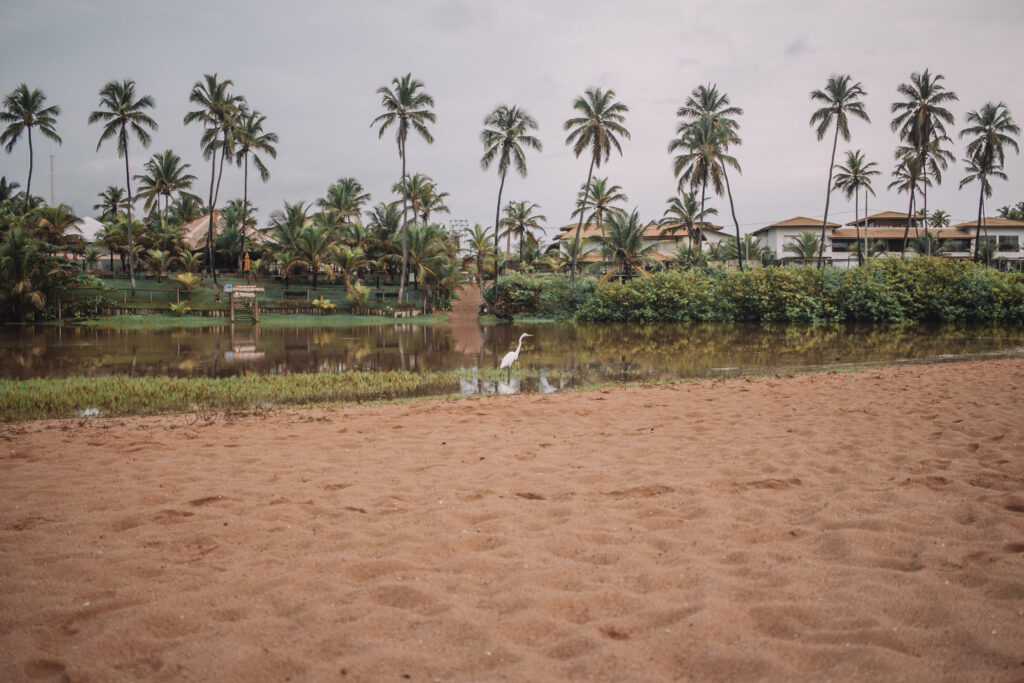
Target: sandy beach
858,526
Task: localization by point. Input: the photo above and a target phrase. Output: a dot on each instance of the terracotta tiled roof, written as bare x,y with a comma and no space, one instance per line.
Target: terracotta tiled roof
991,222
897,233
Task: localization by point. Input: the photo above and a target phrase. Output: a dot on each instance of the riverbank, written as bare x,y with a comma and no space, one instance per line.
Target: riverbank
858,525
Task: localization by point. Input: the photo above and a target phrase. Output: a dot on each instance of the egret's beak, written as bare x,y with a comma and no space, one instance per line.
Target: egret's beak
529,335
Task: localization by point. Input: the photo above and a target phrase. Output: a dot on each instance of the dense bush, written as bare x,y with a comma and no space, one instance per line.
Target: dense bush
883,290
542,296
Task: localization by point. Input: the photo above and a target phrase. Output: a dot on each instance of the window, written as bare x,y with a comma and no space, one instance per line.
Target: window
842,245
1009,243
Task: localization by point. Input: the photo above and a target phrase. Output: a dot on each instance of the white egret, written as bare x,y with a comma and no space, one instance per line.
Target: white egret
512,356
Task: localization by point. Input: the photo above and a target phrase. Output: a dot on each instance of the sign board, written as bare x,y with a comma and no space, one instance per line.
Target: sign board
246,288
244,295
227,288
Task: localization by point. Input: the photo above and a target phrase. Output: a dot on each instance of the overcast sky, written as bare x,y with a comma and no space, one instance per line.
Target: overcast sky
313,68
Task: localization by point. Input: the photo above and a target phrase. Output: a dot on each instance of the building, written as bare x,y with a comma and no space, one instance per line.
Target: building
779,237
668,238
1005,233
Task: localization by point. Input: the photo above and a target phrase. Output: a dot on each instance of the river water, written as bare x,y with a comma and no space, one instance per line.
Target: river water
587,353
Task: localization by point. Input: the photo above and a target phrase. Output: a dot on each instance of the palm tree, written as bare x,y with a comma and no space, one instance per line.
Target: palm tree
505,133
346,197
939,218
7,189
286,225
920,121
602,198
349,261
520,220
311,248
218,111
112,200
1014,213
851,178
186,208
416,190
749,246
480,249
907,177
597,128
706,132
405,108
165,175
927,245
840,99
53,223
684,211
806,246
622,246
120,112
251,140
433,202
23,109
993,130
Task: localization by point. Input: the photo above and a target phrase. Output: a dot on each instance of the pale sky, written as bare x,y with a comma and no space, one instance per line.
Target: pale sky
313,68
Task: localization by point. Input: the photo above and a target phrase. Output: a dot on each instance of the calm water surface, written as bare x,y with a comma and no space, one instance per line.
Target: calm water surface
584,353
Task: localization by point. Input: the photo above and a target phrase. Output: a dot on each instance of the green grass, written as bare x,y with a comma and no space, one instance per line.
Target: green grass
119,395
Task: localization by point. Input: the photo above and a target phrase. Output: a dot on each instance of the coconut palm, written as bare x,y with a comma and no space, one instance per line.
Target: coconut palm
164,176
405,108
52,225
22,110
505,133
805,245
416,190
112,200
7,189
750,247
920,122
520,220
907,177
684,211
851,179
286,225
707,129
597,128
939,218
348,261
217,113
250,141
993,131
480,249
433,202
926,244
345,197
166,236
186,208
20,256
840,98
1014,213
602,198
622,247
312,248
157,261
120,112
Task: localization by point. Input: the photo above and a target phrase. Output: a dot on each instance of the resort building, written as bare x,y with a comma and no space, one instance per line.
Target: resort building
668,239
1005,234
780,237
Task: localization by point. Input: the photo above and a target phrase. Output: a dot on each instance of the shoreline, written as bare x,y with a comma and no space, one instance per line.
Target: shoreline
828,525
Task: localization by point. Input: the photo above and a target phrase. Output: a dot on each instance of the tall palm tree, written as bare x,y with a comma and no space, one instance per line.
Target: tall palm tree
602,199
7,189
250,141
505,133
165,175
597,128
112,200
684,211
405,108
433,202
520,220
22,110
907,177
851,179
920,122
416,190
218,112
480,249
840,98
993,131
121,112
707,130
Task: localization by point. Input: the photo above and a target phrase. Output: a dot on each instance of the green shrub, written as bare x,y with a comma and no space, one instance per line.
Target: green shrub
542,296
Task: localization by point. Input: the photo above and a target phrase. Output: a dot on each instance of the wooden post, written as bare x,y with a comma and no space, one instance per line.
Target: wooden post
255,309
231,307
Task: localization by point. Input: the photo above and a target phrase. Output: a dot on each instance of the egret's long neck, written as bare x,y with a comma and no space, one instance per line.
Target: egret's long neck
519,345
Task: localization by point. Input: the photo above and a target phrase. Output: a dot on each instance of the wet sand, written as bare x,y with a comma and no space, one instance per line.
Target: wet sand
863,526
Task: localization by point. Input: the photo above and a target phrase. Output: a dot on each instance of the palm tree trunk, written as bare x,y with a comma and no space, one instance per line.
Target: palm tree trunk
910,212
924,192
128,184
700,230
405,246
209,230
828,196
856,221
977,232
867,254
497,217
28,185
579,227
732,209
